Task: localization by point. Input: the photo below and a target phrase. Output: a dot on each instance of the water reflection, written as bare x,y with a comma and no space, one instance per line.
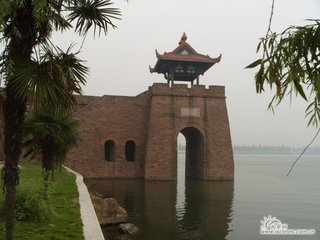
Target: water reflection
208,205
201,212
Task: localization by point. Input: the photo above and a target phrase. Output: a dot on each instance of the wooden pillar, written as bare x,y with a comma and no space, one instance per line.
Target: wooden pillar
172,76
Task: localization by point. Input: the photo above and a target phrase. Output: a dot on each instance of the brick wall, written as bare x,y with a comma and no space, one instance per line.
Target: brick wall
115,118
153,121
198,113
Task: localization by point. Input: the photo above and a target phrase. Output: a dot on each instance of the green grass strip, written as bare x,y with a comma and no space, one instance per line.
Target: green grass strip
60,211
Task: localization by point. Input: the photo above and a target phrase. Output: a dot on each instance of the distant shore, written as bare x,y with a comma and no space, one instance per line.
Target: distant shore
262,149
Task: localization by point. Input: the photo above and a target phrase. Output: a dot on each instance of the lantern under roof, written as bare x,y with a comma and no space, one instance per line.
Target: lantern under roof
183,63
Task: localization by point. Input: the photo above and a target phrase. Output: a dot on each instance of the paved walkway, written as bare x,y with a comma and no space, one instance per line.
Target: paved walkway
91,226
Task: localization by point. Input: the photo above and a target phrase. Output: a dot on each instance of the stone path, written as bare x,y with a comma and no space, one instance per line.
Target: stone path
91,226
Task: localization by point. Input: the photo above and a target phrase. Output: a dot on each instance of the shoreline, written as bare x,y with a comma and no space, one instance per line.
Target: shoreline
91,225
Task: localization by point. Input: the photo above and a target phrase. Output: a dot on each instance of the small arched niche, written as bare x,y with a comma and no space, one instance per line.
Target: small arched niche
109,151
130,150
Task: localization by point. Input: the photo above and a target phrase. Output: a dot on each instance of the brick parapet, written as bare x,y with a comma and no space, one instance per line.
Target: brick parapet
184,90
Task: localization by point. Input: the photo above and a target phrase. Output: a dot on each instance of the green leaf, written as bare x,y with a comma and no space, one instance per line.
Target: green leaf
259,45
292,61
260,79
300,90
254,64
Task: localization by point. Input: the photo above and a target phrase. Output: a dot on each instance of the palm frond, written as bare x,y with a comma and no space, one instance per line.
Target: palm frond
93,13
60,129
50,81
48,16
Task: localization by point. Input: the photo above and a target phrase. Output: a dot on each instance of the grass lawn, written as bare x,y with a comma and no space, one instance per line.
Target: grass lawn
65,222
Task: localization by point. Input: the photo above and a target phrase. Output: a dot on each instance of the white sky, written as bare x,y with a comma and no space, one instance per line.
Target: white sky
119,61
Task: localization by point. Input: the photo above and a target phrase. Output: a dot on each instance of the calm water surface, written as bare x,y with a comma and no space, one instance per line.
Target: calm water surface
197,210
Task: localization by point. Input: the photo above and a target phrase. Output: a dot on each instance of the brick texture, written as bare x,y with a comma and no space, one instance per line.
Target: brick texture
153,120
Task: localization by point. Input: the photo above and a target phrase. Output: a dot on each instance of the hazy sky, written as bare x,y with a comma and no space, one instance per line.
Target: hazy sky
119,62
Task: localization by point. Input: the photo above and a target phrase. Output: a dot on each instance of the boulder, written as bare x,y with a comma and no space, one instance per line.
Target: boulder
128,228
108,210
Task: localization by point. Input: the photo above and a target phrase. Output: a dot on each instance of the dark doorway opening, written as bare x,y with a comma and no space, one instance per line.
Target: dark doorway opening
194,167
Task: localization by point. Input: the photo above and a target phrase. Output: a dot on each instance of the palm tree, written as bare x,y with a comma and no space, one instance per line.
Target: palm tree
50,136
34,70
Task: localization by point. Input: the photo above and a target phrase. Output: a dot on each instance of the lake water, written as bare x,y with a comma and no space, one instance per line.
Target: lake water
206,210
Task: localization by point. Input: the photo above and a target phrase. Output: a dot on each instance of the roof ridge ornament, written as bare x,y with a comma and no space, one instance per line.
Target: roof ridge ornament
157,54
183,38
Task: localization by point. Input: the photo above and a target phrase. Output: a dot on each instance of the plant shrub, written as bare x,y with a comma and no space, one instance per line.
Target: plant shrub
32,204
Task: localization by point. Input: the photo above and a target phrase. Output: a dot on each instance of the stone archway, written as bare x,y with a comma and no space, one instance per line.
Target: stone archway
194,157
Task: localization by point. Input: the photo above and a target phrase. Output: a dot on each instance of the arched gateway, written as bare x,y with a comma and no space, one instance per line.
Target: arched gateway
143,129
194,152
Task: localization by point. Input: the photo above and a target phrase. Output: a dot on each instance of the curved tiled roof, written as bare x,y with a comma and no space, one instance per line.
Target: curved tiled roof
183,53
188,57
192,55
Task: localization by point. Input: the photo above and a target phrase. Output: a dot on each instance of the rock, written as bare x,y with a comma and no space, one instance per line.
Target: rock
121,215
129,228
108,210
